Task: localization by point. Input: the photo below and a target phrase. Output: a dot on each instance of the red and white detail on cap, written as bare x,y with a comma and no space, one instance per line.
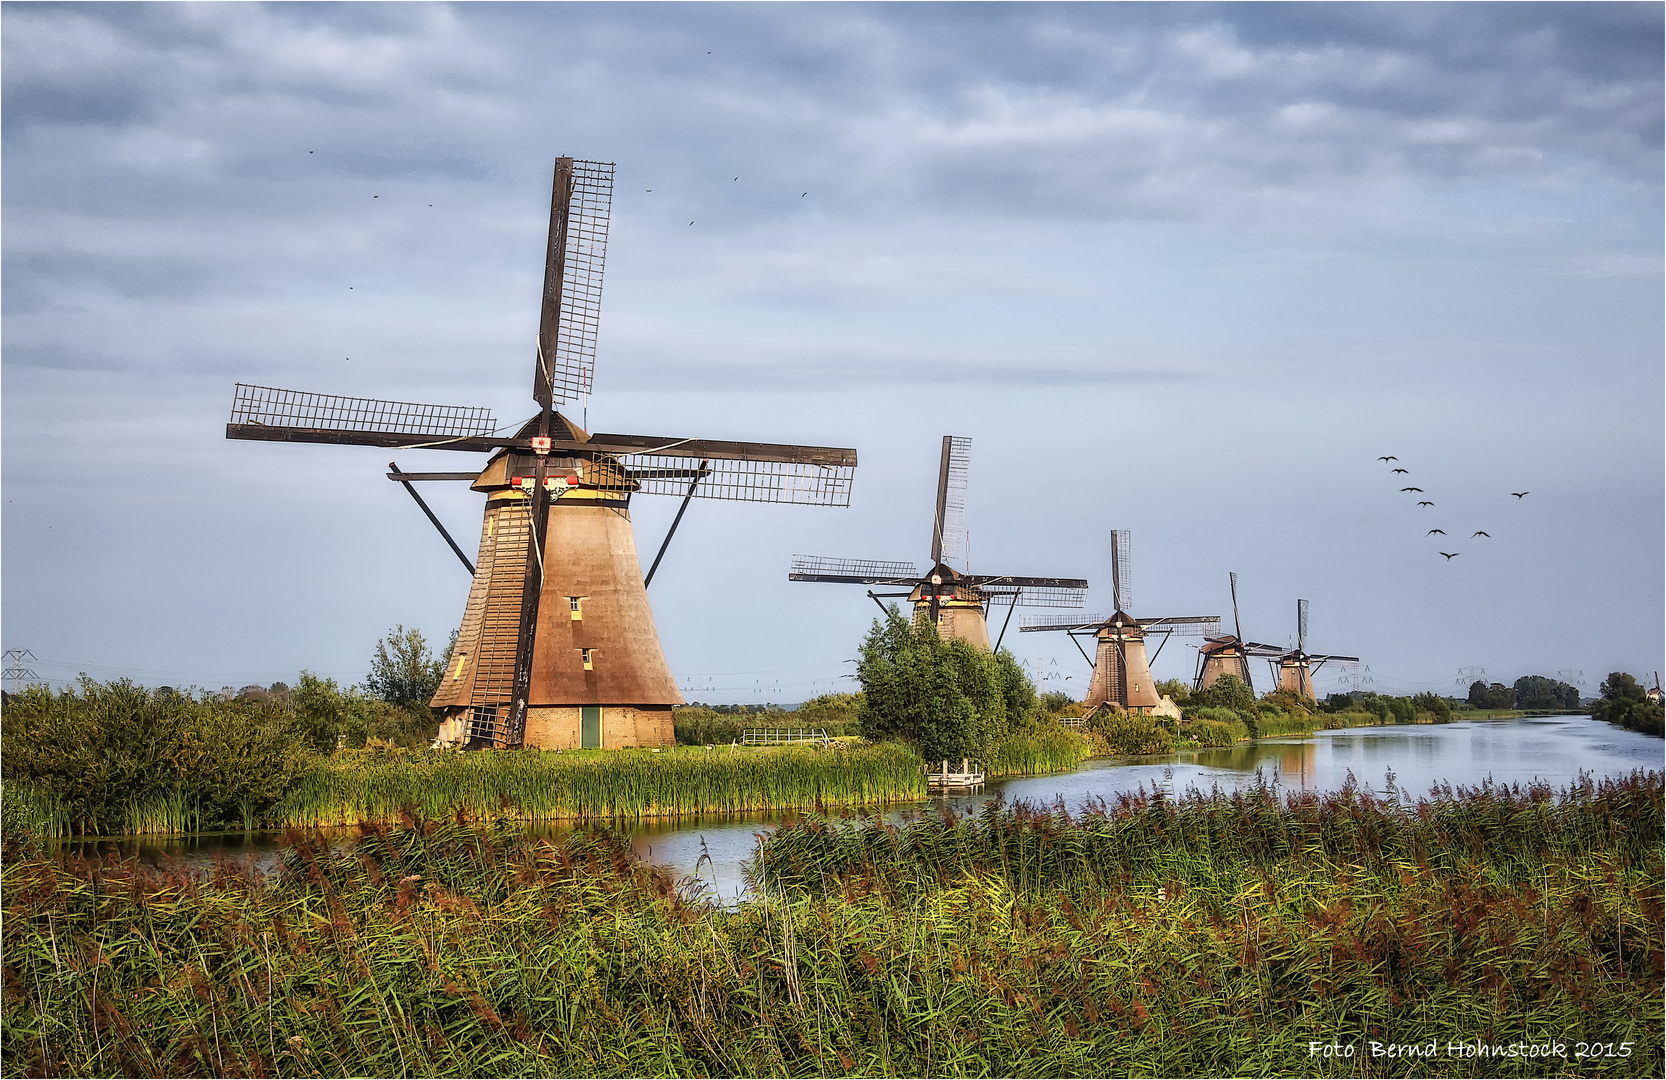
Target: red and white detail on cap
555,485
540,444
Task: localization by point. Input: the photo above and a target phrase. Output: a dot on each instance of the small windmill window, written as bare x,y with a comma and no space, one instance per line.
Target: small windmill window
576,605
589,656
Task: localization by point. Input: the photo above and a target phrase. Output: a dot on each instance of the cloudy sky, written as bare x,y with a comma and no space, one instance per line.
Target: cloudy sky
1186,270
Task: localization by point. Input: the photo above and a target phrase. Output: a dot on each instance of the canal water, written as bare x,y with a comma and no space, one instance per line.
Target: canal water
1555,750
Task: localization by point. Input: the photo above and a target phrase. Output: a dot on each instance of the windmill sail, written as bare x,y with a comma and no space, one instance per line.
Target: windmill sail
1178,625
283,413
853,571
1122,578
570,317
650,464
948,538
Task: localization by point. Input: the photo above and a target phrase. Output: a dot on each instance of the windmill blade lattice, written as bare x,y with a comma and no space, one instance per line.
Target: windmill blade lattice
268,406
953,477
853,571
1184,625
583,260
1301,625
1037,595
737,480
1031,623
1121,569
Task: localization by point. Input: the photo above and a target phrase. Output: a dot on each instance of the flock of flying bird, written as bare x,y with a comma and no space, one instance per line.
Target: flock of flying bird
1450,555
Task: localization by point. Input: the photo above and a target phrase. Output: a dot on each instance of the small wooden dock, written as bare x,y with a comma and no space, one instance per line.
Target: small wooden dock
969,778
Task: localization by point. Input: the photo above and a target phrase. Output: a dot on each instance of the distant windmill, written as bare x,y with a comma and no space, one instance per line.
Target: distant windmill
557,645
1295,667
1230,653
951,600
1121,669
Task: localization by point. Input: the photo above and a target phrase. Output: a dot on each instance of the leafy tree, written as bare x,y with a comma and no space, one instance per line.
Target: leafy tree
1495,696
1176,690
945,696
1431,702
1226,692
1055,702
1622,687
1538,692
1627,704
1288,701
404,671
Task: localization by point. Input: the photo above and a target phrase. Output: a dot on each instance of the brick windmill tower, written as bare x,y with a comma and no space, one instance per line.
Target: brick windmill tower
955,601
1229,654
557,646
1121,668
1295,667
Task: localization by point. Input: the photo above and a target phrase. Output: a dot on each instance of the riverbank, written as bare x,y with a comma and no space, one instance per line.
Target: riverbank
1224,936
384,787
1208,733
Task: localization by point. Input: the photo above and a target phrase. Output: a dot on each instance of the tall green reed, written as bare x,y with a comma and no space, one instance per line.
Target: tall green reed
441,949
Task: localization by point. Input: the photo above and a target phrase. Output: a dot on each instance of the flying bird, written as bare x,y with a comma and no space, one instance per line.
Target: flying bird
1432,532
1425,502
1390,457
1473,535
1450,555
1411,489
1519,494
1399,470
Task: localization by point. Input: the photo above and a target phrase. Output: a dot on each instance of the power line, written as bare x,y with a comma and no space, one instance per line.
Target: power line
17,669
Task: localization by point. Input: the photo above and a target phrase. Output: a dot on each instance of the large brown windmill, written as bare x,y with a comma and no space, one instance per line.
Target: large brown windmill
1121,669
1295,667
557,645
1229,654
952,600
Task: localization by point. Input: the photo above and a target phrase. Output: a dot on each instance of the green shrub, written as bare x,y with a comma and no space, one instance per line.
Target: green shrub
1272,722
1216,732
115,757
1131,733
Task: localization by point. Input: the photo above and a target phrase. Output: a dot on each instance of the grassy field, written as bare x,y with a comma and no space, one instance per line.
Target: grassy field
1192,937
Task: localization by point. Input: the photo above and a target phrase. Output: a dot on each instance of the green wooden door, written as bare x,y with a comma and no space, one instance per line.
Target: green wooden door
590,720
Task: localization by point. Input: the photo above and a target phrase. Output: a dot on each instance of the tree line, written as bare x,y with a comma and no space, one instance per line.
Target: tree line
1529,692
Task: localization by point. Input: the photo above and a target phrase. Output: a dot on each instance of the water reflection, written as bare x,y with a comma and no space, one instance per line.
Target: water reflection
1555,750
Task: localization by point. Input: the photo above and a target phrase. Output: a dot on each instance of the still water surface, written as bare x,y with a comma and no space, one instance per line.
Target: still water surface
1551,749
